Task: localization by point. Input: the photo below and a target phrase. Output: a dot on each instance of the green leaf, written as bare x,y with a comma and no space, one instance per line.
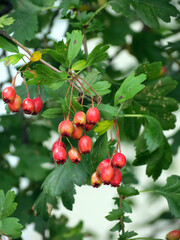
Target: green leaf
127,235
52,113
7,204
117,227
171,191
103,127
11,227
115,214
68,198
91,78
5,20
74,44
66,5
129,88
101,87
13,59
152,70
107,111
8,45
79,65
127,191
126,207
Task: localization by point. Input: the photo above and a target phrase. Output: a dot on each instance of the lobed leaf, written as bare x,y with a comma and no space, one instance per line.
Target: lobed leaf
7,204
13,59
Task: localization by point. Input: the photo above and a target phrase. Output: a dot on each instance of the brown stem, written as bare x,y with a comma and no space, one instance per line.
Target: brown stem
117,126
69,143
116,132
70,99
68,89
121,218
5,235
85,46
26,87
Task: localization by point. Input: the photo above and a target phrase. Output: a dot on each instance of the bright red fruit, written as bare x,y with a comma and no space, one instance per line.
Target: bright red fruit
80,118
173,235
85,144
77,132
65,128
116,180
96,180
8,94
28,106
38,105
74,155
118,160
58,144
15,105
88,126
59,155
107,175
92,115
102,165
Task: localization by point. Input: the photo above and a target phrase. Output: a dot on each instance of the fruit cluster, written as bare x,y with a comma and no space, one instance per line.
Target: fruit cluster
75,130
107,172
29,106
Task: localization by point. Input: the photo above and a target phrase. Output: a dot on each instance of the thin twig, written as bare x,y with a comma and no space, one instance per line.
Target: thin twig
70,99
121,218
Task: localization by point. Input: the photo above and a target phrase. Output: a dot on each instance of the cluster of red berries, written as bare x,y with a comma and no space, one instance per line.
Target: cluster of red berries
107,172
75,129
29,106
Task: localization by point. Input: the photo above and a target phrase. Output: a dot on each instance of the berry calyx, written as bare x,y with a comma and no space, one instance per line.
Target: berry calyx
77,132
118,160
107,175
173,235
38,103
92,115
88,126
28,106
85,144
8,94
80,118
15,105
96,180
102,165
65,128
117,178
74,155
59,155
58,144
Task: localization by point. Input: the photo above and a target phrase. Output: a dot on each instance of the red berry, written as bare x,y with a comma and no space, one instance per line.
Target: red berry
173,235
116,180
85,144
65,128
8,94
59,155
77,132
92,115
74,155
96,180
107,175
58,144
80,119
15,105
118,160
38,105
102,165
88,126
28,106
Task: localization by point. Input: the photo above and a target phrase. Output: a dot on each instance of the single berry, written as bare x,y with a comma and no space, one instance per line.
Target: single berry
8,94
118,160
28,106
38,105
85,144
74,155
15,105
96,180
92,115
116,180
77,132
59,155
107,175
65,128
80,119
88,126
58,144
173,235
102,165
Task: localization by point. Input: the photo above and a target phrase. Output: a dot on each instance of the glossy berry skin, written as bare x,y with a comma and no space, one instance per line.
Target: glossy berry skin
88,127
107,175
92,115
38,103
117,178
28,106
15,105
58,144
8,94
96,180
77,132
173,235
59,155
74,155
118,160
80,119
102,165
65,128
85,144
